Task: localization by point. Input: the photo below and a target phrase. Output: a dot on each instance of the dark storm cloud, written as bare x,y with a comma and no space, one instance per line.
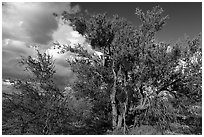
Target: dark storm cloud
16,48
12,52
32,22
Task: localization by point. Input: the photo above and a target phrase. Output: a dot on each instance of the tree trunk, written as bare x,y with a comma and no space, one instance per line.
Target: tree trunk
120,120
113,102
114,110
124,115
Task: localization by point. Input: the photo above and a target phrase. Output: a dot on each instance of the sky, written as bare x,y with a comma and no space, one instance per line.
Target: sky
25,25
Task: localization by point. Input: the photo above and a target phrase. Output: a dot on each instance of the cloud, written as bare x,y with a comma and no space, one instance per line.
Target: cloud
32,22
75,34
12,51
16,48
66,34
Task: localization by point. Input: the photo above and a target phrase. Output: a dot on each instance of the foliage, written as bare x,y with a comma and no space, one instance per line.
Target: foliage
155,69
40,107
136,86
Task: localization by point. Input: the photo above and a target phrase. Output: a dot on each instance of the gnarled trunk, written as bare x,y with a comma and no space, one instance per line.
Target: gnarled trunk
114,109
113,102
120,120
124,113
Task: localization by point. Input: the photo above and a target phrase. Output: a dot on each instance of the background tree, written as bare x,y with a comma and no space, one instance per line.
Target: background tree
39,107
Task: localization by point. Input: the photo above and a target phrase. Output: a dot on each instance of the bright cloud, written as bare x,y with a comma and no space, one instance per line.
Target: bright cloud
66,34
54,53
75,34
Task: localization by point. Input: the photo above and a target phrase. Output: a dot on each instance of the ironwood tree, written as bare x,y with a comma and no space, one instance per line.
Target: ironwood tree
135,75
124,46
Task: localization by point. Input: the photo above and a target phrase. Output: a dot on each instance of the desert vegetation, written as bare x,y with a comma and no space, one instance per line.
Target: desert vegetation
137,86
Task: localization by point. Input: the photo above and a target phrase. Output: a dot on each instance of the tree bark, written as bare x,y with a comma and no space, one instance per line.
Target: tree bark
125,108
120,120
113,102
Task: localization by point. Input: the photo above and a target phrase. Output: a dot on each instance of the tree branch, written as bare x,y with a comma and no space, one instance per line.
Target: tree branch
167,85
